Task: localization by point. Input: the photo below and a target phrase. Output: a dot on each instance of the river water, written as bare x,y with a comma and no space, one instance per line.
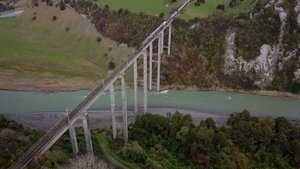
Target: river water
216,102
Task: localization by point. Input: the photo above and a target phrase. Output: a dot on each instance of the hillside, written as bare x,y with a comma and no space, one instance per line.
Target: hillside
46,48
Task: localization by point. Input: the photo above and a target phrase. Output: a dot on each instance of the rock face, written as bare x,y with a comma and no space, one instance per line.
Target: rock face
297,11
272,58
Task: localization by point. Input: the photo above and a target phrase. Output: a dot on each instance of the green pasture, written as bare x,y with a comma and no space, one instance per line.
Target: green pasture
155,7
43,46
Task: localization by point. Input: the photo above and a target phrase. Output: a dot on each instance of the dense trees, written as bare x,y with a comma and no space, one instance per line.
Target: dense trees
14,140
247,142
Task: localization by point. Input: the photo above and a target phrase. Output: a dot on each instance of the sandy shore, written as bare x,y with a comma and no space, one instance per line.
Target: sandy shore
102,118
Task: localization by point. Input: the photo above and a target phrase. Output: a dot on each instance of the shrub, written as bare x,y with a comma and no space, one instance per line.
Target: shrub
120,11
98,39
54,18
134,152
50,3
111,65
62,5
161,15
34,18
67,29
221,7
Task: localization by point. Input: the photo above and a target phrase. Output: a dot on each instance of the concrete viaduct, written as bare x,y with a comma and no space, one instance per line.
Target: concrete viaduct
145,51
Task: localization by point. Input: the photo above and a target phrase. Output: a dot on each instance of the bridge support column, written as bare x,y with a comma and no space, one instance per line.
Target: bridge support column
124,108
113,114
145,80
169,38
87,134
159,52
73,140
135,85
162,41
150,65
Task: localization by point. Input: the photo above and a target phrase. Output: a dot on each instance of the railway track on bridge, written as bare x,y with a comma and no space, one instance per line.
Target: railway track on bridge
62,125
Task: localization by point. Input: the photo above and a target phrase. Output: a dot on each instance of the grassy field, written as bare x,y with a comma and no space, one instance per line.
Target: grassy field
155,7
43,48
244,6
204,10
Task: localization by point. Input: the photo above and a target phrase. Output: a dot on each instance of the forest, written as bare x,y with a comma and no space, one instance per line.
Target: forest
172,141
245,142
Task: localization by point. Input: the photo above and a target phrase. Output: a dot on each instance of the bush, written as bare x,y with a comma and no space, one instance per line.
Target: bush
99,39
62,5
134,152
67,29
120,11
161,15
221,7
54,18
111,65
34,18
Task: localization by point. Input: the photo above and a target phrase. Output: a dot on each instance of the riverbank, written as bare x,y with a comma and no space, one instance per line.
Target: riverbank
102,118
257,92
49,85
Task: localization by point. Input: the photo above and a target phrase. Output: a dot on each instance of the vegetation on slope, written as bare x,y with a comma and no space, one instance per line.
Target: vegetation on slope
14,140
198,45
247,142
54,46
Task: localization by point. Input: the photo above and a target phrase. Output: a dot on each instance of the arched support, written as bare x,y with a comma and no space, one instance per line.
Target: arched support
113,114
124,108
145,80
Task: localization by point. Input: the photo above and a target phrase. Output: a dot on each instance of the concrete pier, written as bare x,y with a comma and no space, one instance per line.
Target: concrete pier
162,41
73,139
135,86
145,80
150,65
87,134
169,38
113,114
159,52
124,108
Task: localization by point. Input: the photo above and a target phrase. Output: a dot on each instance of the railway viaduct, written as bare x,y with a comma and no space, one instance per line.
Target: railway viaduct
144,52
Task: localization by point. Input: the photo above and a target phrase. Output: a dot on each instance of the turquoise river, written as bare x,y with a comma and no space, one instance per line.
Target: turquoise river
216,102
